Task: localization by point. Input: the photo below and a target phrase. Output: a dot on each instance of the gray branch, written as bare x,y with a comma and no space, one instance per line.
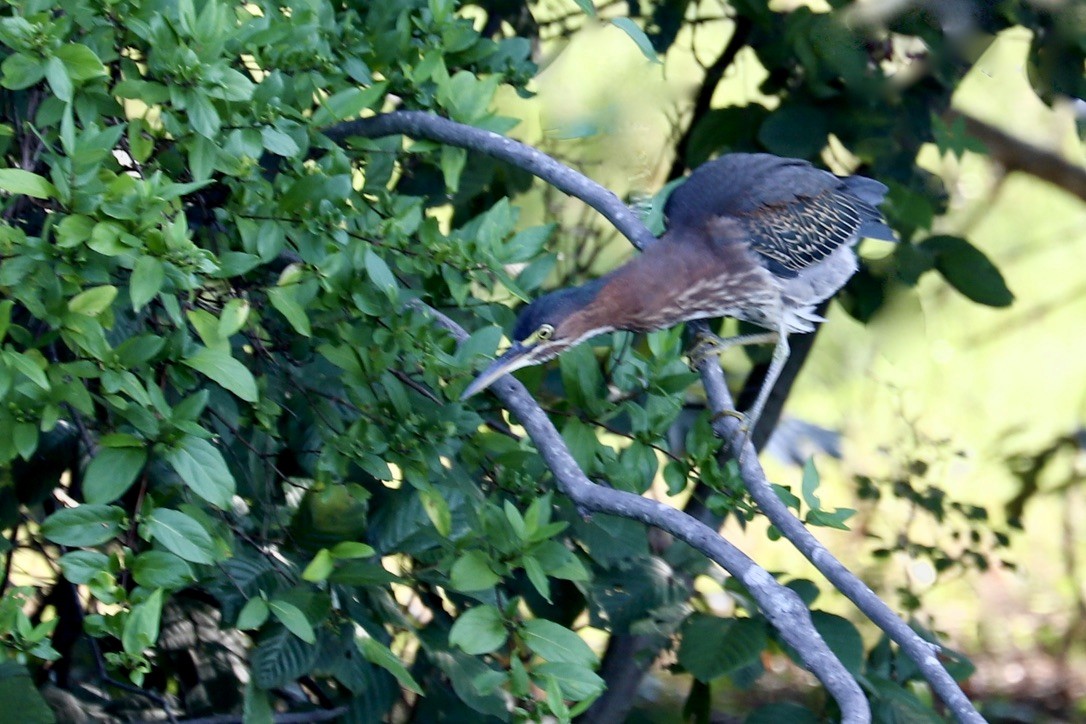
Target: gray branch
597,498
923,653
417,124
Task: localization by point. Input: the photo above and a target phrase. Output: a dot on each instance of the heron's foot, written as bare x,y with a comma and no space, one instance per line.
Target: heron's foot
706,345
732,413
740,440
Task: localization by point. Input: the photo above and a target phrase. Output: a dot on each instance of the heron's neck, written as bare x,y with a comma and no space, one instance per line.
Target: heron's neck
621,298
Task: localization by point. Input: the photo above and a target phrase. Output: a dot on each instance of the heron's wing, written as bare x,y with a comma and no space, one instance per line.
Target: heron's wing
795,235
792,214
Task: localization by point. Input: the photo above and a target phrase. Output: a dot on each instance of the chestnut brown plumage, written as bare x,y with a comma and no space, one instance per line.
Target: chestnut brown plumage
756,237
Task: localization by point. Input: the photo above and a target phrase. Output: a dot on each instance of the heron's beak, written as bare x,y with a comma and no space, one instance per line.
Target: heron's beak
514,358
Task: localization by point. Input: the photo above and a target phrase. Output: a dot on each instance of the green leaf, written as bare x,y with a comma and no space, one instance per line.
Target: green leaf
527,243
146,281
230,374
181,535
284,301
84,525
257,706
830,519
349,549
581,378
713,646
111,473
233,317
81,62
637,35
348,104
253,614
202,115
576,681
22,71
437,509
81,566
379,272
537,576
587,6
141,626
843,639
967,269
280,659
895,703
453,160
482,341
59,81
93,301
28,365
380,655
278,142
557,643
202,467
320,567
472,572
786,496
292,617
479,630
5,316
810,485
25,439
17,181
160,569
202,153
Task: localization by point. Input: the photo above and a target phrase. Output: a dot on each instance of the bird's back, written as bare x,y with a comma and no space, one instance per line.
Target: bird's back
792,214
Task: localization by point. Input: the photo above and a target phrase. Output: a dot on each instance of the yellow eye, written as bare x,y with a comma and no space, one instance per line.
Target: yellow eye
544,332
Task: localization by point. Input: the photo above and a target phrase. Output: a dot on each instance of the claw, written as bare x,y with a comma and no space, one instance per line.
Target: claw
744,431
731,413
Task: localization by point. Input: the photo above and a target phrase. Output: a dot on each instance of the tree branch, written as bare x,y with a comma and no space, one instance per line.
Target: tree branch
923,653
1018,155
418,124
572,481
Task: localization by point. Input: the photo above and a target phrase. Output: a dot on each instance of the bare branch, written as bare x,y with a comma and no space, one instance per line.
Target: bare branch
418,124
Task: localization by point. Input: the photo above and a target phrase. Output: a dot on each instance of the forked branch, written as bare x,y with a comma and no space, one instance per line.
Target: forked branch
774,600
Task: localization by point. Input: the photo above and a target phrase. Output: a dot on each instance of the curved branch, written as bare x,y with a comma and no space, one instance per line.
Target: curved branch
782,606
419,124
923,654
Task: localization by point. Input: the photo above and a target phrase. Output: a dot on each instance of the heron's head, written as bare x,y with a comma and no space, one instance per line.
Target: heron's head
545,328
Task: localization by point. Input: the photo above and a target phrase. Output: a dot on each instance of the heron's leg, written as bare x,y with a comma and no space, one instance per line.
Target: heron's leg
780,356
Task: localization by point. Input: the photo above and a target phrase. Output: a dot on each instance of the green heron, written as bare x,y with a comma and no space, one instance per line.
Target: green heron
756,237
